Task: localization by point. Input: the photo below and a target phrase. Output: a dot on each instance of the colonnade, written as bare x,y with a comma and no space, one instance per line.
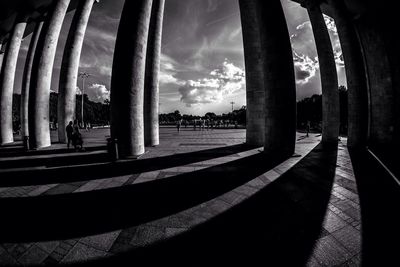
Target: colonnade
371,64
270,79
36,80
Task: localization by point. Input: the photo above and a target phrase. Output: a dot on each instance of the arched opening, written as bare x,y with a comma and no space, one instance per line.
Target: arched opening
307,69
202,79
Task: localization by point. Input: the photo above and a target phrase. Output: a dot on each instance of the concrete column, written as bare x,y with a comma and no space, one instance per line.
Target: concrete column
329,79
128,75
1,56
151,89
380,82
39,93
70,67
7,79
26,79
356,76
278,73
255,108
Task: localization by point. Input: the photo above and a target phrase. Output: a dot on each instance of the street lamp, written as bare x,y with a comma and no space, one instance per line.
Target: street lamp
83,75
232,103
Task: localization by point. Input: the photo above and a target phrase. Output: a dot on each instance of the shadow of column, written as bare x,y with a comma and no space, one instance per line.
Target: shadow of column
379,202
278,225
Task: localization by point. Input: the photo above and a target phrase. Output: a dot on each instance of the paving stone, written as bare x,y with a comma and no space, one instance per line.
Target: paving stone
132,178
256,183
355,214
34,255
232,197
170,232
184,220
101,242
87,187
272,175
329,252
146,235
350,238
82,252
49,247
149,175
312,262
122,242
16,250
6,258
332,222
245,190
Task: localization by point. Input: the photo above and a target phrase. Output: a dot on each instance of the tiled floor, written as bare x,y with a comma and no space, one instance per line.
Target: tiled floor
196,188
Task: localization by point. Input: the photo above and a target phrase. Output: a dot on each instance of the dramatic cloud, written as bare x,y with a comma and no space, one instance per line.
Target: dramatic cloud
168,71
305,67
333,34
98,92
304,51
224,81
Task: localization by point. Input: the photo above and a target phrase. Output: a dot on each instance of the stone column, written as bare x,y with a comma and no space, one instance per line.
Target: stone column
356,76
128,74
329,79
39,93
255,108
26,78
70,67
278,73
7,79
151,89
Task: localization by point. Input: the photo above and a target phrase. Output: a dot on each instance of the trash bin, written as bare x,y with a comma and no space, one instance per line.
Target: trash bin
25,142
112,148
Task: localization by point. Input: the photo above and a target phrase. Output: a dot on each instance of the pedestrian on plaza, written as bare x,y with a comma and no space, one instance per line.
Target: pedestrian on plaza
69,129
308,126
178,125
77,140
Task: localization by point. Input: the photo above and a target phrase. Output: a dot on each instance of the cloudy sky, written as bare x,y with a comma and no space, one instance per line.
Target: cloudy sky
202,54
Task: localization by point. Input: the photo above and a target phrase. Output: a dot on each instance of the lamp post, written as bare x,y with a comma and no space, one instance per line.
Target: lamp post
83,75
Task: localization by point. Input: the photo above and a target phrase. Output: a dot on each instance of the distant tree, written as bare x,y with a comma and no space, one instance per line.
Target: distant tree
210,115
177,115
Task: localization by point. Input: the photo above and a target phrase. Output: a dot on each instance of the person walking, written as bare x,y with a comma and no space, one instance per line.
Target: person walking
178,125
77,137
69,129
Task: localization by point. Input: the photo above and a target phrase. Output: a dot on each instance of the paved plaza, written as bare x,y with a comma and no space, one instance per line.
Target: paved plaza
191,200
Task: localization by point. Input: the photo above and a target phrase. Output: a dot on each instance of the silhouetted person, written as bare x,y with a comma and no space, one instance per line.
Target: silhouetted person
69,129
76,136
178,125
308,127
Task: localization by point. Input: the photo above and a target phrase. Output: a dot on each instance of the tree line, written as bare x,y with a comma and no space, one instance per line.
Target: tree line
94,112
238,116
308,109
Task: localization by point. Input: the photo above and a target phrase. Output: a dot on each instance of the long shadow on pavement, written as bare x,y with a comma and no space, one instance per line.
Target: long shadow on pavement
278,226
16,151
99,170
379,202
65,216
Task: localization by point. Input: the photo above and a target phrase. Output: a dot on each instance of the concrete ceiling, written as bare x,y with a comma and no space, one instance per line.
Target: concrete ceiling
35,8
355,7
